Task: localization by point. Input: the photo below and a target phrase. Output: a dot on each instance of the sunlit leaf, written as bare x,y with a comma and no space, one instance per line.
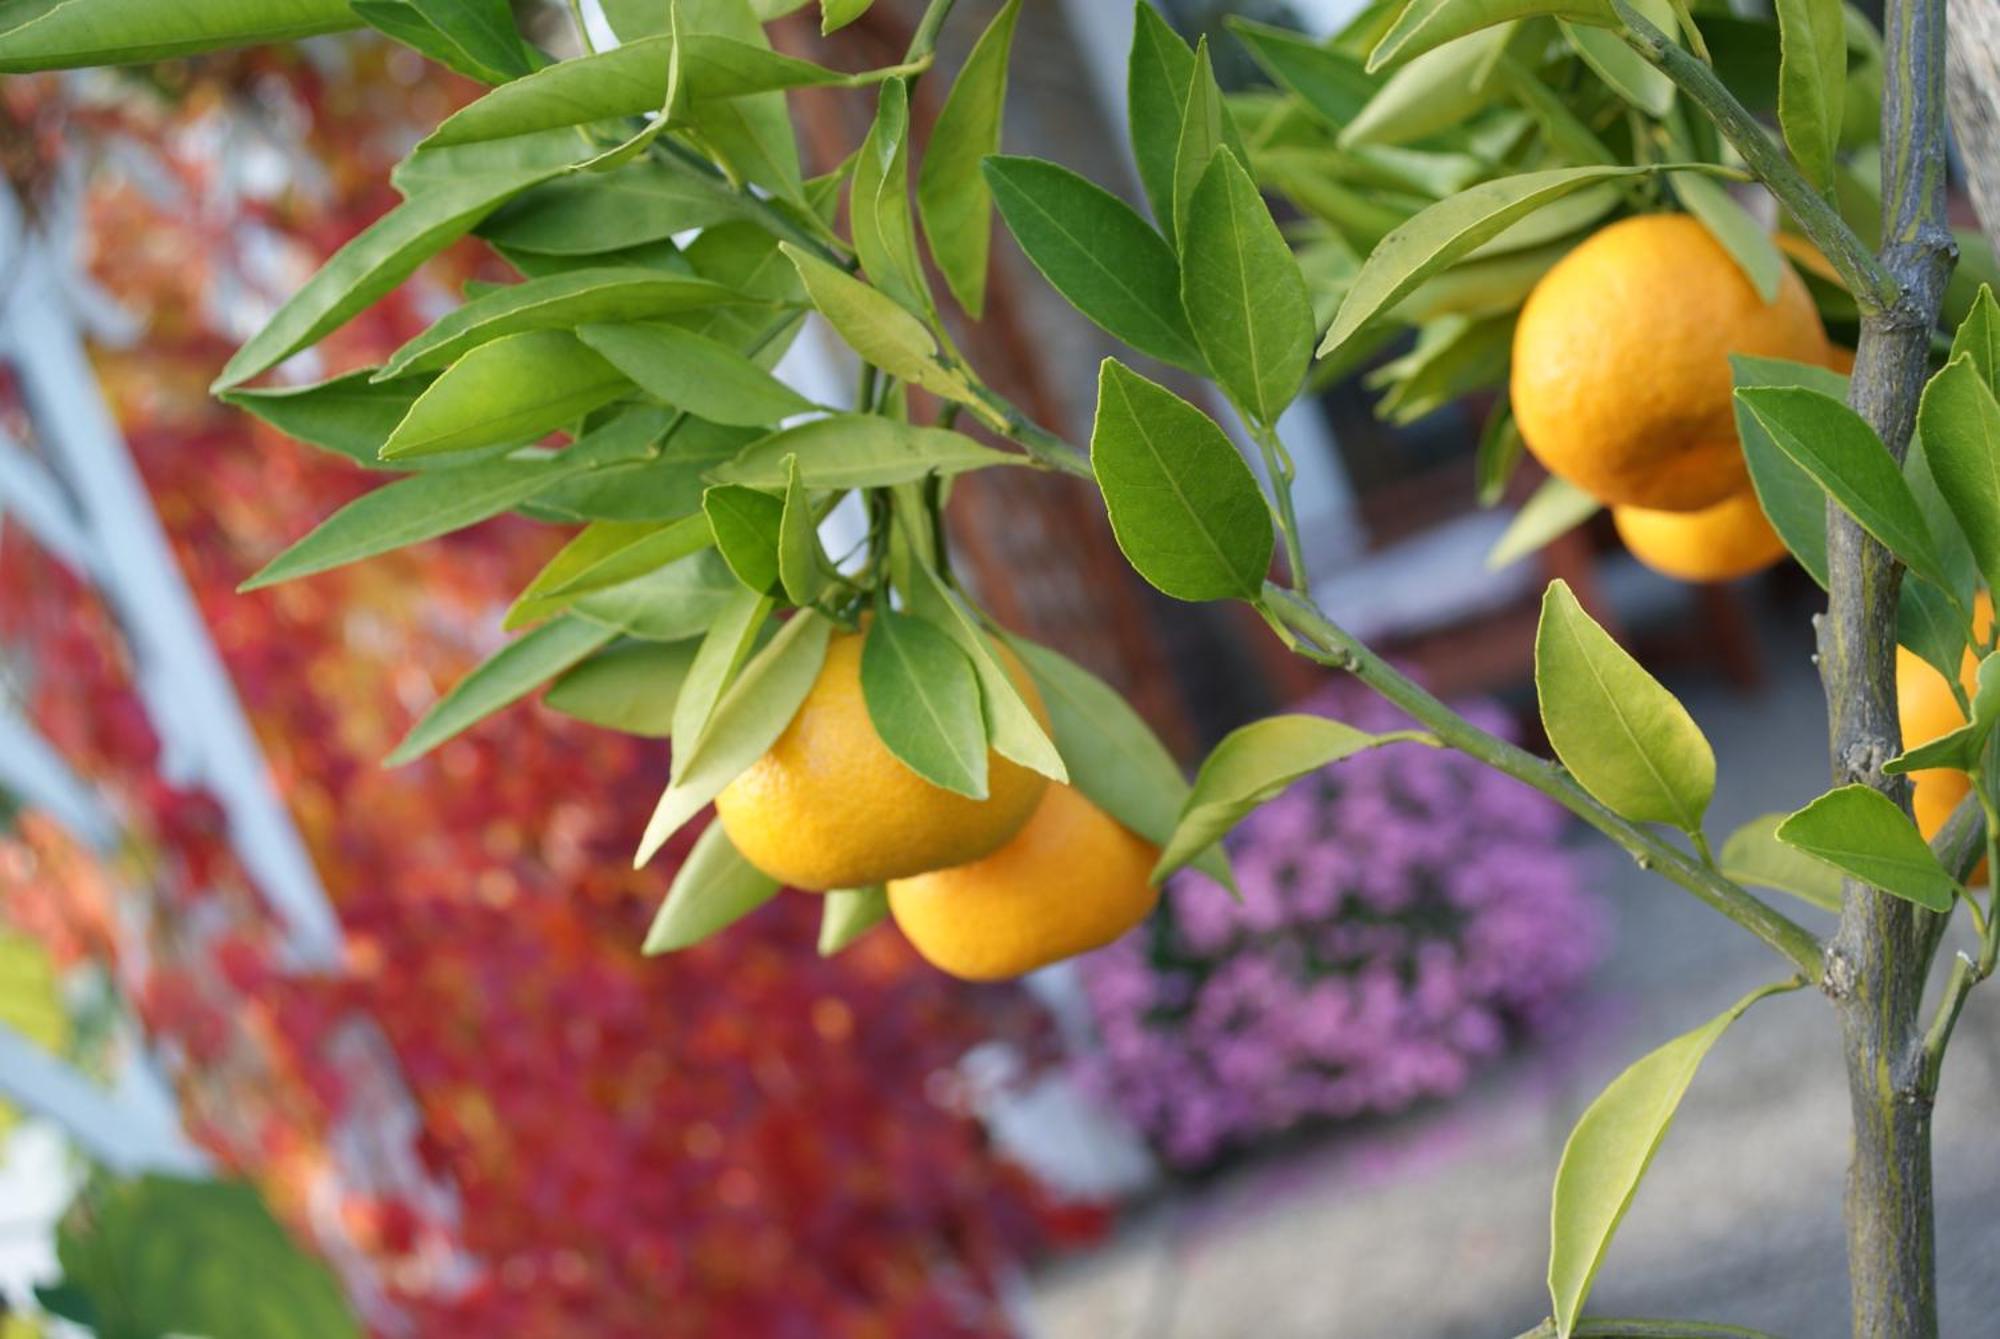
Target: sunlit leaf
1864,833
1624,737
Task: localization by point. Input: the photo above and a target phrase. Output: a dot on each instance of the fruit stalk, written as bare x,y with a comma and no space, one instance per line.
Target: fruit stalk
1878,960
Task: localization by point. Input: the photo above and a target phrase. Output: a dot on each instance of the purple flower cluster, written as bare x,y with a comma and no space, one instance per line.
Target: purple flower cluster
1405,913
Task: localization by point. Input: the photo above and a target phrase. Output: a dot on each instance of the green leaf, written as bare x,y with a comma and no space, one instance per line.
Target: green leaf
837,14
599,560
1252,765
1098,254
1184,507
1426,24
714,888
475,37
724,647
349,415
1864,833
1841,452
1243,292
1794,504
923,699
557,302
1629,75
1500,449
668,604
878,203
1555,508
1011,726
753,134
745,523
803,570
1962,748
747,720
952,195
588,547
159,1255
1446,232
589,213
629,80
64,34
858,451
1608,1153
1330,82
508,675
1742,236
411,510
515,389
1442,89
664,489
1156,90
1932,626
389,250
1114,757
1205,130
1455,356
1978,338
1812,77
1565,131
1753,855
1959,420
632,687
1626,739
703,376
877,327
849,914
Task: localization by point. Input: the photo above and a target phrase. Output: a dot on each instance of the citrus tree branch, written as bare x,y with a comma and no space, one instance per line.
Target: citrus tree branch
1318,638
1871,282
1879,960
1309,632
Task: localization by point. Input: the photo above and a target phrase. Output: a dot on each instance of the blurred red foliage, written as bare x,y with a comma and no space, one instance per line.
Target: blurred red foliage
744,1139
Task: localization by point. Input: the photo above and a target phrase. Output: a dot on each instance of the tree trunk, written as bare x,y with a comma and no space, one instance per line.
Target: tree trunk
1973,83
1878,960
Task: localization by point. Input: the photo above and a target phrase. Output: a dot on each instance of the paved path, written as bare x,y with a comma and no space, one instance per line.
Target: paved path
1436,1226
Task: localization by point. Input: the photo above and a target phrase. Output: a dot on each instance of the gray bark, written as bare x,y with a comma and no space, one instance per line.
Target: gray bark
1878,960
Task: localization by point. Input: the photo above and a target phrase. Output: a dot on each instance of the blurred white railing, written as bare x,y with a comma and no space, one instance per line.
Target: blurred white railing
77,493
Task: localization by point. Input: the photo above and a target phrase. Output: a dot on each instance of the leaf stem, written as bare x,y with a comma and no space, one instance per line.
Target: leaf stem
1873,287
1322,640
1047,450
1964,976
924,41
1278,464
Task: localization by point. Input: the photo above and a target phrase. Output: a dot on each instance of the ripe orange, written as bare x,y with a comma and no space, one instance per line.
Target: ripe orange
829,806
1926,709
1072,880
1719,543
1621,380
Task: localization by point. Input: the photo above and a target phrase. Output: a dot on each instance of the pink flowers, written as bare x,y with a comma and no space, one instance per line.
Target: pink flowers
1405,915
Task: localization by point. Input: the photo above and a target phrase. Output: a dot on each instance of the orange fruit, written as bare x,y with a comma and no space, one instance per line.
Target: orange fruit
1719,543
1621,380
829,806
1072,880
1926,709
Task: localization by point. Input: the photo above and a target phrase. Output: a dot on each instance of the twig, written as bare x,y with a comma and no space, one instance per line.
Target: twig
1866,277
1320,639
